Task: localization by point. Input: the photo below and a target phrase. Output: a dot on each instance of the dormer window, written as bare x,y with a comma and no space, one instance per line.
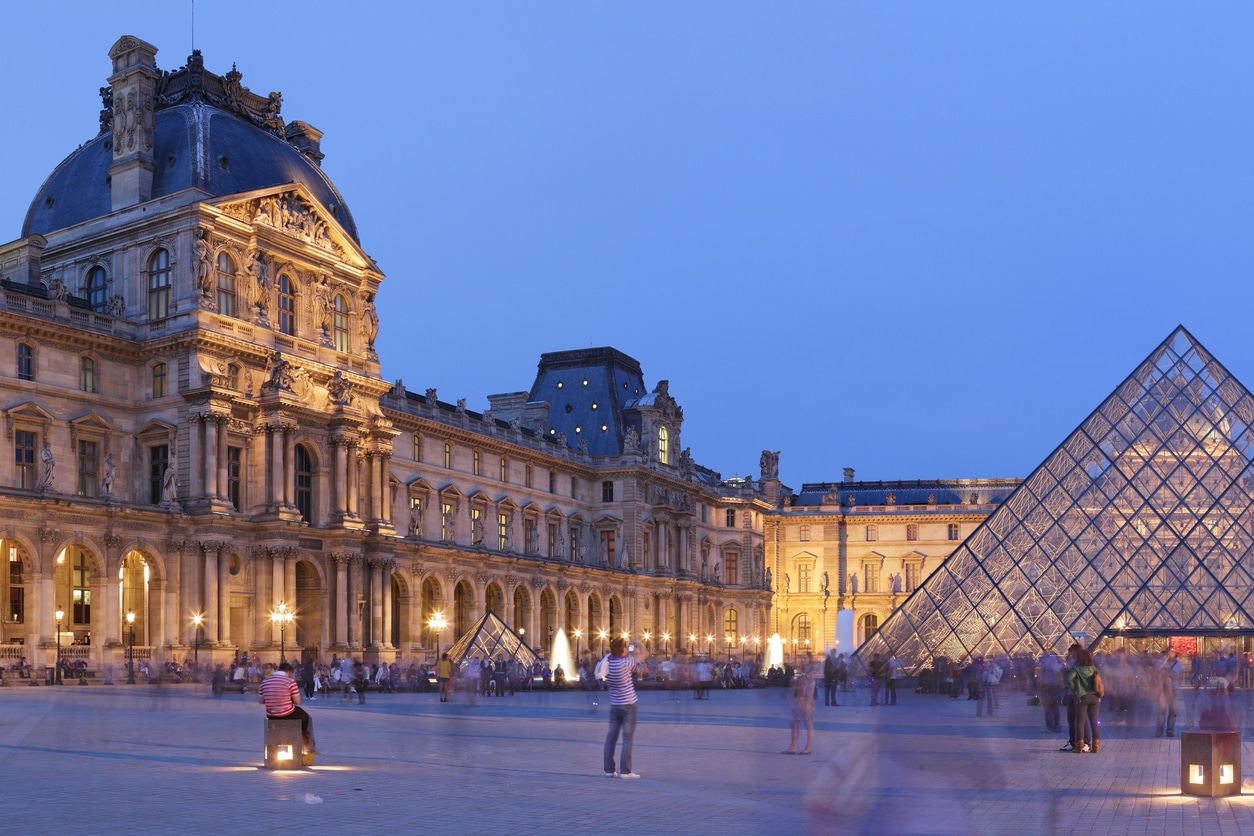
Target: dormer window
663,446
226,284
97,288
287,306
159,285
339,325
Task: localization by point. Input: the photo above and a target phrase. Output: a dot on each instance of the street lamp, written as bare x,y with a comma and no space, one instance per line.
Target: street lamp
437,622
603,634
130,650
743,641
60,614
794,651
282,617
198,620
666,637
578,634
709,644
646,637
730,641
692,643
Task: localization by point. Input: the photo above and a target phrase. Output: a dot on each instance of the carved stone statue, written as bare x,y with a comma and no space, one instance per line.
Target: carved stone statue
116,306
169,485
56,290
583,552
259,284
605,553
109,474
273,121
583,446
853,583
369,321
509,534
489,417
340,389
561,545
203,252
769,463
280,379
415,520
48,465
450,527
631,441
431,397
461,406
768,577
515,424
476,531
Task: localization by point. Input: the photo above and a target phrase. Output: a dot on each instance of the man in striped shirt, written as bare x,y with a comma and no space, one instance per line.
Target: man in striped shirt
622,705
281,696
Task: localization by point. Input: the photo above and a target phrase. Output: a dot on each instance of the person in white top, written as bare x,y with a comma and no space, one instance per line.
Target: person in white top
620,667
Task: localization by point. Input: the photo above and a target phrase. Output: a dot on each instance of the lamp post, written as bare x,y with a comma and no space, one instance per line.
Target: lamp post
437,622
198,621
60,614
550,640
666,638
282,617
603,634
730,641
709,644
130,650
647,636
692,643
794,651
578,634
743,641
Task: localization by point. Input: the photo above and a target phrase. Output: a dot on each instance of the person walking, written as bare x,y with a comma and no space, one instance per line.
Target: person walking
620,667
831,679
281,697
801,699
892,672
1169,672
1086,683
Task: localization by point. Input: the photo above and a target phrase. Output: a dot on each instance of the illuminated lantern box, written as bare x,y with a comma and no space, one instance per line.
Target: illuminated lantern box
1210,763
283,743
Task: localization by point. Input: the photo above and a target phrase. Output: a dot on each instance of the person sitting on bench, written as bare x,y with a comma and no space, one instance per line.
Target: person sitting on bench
281,696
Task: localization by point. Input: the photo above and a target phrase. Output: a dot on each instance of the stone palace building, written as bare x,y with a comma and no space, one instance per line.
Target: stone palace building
201,436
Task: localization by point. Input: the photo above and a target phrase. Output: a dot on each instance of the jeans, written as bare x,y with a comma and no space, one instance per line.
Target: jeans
829,692
1087,730
622,718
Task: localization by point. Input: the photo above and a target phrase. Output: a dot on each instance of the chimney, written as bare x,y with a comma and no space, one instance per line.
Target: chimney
307,139
848,474
134,83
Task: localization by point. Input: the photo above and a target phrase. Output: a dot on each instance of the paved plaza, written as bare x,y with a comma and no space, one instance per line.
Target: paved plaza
137,759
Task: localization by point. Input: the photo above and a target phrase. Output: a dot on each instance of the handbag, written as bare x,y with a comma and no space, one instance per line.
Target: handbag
1099,687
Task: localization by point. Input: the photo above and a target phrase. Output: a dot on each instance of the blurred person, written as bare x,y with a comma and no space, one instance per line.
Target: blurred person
801,703
1086,683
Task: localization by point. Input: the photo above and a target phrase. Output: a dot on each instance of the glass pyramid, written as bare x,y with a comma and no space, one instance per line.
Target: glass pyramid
488,639
1140,522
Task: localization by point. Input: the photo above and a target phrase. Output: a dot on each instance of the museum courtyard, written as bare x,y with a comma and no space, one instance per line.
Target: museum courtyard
138,759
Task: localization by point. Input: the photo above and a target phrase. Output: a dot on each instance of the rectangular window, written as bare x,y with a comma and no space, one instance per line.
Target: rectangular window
805,534
872,533
731,518
17,604
504,469
476,526
731,626
448,456
953,532
803,577
446,516
417,447
552,482
731,567
234,474
607,548
912,577
531,537
502,530
528,476
607,491
158,381
574,488
871,577
476,463
912,532
703,513
25,362
158,459
80,579
24,450
87,468
87,374
15,566
553,541
574,544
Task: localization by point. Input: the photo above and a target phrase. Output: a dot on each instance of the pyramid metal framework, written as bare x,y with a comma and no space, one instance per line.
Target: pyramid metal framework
1141,522
488,639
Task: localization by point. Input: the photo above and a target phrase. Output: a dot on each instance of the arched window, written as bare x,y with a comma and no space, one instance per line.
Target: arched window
97,288
304,484
25,362
339,324
226,285
870,623
663,446
287,305
159,285
87,374
159,380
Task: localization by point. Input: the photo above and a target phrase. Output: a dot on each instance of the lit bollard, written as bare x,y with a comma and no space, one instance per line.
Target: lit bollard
1210,763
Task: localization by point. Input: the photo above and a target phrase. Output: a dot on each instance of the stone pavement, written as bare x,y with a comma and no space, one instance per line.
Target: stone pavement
136,759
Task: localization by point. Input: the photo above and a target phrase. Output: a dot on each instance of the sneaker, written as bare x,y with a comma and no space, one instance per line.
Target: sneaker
611,775
629,775
1066,747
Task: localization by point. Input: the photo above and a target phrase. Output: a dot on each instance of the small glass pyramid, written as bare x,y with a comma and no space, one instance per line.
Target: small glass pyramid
488,639
1140,521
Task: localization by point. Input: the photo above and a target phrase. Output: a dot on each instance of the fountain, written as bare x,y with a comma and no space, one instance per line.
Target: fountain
560,655
775,651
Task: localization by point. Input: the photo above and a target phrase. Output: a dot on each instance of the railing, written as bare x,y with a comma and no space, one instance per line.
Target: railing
12,652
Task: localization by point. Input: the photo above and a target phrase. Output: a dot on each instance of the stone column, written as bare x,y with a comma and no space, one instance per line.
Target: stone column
289,468
289,579
385,494
376,603
223,423
174,594
224,594
211,456
388,613
195,480
351,463
354,587
276,590
339,480
341,599
210,600
157,636
274,438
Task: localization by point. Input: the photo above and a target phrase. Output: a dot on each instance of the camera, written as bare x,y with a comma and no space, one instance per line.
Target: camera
631,648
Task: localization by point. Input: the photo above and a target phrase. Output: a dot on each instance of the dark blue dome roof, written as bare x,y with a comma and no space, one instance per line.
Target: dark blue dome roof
195,144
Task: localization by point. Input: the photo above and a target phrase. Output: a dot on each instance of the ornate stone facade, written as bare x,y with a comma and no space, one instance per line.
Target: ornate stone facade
198,364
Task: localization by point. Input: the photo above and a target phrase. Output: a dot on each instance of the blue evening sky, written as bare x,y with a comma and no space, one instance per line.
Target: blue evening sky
923,240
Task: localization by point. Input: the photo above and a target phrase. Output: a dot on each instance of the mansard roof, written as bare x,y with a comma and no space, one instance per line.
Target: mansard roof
587,391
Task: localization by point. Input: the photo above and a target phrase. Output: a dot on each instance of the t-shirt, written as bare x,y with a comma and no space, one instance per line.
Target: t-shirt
622,689
279,692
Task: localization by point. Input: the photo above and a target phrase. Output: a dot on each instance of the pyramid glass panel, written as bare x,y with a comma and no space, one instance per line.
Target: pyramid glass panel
1141,519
